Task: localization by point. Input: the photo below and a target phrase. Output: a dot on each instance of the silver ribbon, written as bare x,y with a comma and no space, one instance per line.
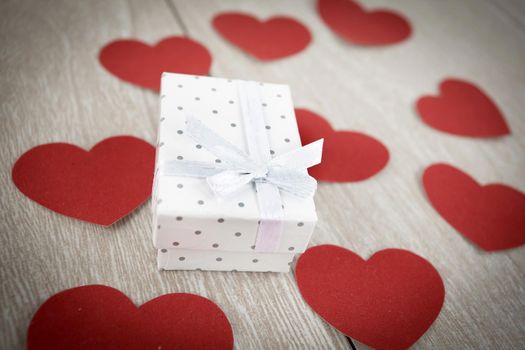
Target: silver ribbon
286,172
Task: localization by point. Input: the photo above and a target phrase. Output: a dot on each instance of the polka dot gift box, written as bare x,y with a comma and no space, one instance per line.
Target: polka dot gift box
231,189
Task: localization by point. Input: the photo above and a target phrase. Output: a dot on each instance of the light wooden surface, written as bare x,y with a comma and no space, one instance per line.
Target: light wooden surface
52,88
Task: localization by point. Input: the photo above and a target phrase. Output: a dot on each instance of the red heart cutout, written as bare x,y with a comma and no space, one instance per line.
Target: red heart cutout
100,317
491,216
386,302
347,155
141,64
274,38
354,24
99,186
462,109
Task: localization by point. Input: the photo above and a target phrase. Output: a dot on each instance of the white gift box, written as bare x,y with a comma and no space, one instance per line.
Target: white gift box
193,227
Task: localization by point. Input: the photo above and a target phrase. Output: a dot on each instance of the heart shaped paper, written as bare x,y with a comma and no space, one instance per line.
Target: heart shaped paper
356,25
99,186
275,38
463,109
386,302
490,216
347,155
141,64
100,317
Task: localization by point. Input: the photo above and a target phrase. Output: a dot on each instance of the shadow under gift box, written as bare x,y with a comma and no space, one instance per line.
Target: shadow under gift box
192,227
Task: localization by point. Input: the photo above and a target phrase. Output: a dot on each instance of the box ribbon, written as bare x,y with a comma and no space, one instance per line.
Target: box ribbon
285,172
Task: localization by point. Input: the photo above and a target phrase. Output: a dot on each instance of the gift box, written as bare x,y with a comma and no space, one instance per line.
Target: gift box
231,188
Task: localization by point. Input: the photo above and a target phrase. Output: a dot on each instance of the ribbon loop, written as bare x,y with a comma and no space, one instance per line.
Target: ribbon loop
228,182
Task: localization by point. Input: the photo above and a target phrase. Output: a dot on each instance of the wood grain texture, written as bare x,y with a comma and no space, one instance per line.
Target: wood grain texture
52,88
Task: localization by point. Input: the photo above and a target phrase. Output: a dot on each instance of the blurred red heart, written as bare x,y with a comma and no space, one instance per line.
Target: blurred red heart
141,64
100,317
386,302
462,109
354,24
99,186
274,38
347,155
491,216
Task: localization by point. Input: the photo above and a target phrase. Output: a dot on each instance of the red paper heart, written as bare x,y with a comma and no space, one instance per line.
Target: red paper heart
99,186
141,64
274,38
386,302
100,317
354,24
347,155
491,216
462,109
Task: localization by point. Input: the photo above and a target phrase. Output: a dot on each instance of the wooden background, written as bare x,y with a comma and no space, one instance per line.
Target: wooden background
53,89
